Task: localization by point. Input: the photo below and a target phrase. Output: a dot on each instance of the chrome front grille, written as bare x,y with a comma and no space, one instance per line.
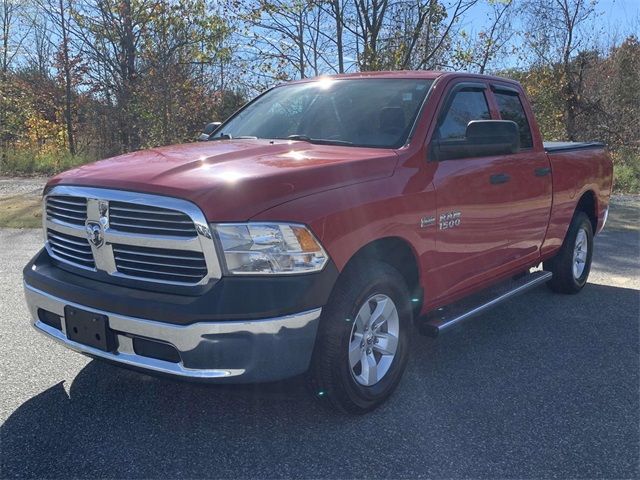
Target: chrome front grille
67,209
72,249
130,235
171,265
145,219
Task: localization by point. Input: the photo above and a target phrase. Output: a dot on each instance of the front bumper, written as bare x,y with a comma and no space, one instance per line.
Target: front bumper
238,351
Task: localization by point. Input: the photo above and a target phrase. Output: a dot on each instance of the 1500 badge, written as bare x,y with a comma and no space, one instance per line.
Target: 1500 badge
450,220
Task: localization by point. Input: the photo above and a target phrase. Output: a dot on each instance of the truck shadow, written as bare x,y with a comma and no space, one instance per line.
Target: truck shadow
115,420
524,361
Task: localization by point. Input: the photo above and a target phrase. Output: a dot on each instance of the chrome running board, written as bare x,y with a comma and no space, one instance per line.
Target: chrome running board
441,319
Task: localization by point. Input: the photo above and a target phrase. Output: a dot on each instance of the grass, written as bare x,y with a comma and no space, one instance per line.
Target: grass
627,178
21,211
29,162
24,210
626,171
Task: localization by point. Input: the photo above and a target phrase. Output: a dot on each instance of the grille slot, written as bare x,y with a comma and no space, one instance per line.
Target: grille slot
143,219
160,264
75,250
68,209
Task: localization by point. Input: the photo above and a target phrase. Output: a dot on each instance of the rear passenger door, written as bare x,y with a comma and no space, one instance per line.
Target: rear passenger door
530,172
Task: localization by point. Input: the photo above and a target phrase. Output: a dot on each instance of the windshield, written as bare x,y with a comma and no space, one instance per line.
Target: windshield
358,112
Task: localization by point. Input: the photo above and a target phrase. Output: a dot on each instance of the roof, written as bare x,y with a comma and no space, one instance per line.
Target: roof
413,74
426,74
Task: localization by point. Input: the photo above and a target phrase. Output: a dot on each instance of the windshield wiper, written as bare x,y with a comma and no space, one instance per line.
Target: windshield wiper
319,141
226,136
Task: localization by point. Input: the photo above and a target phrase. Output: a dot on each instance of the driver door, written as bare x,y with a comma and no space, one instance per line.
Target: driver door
473,198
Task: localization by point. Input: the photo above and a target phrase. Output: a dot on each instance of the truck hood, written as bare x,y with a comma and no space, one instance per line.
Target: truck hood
234,180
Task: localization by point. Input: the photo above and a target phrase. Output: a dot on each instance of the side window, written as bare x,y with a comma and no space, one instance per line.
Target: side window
511,109
467,105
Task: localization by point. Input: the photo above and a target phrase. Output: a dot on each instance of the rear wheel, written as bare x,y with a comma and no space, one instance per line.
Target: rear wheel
363,339
572,264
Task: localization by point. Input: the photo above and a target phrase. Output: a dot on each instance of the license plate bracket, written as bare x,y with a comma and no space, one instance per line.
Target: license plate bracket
89,328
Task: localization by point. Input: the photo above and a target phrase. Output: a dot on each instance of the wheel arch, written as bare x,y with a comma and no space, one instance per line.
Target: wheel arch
588,204
398,253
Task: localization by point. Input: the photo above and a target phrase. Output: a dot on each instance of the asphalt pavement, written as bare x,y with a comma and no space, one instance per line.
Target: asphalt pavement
542,386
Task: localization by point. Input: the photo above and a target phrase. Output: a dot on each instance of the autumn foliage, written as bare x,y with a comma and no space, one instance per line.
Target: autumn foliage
83,80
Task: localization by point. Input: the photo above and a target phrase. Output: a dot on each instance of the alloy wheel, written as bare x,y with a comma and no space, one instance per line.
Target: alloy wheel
374,340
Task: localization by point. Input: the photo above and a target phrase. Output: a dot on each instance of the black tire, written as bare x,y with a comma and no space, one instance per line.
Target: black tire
330,376
564,280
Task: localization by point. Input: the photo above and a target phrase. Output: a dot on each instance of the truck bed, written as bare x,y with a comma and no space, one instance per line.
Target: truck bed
551,147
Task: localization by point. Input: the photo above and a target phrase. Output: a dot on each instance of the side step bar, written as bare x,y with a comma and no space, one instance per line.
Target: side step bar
441,319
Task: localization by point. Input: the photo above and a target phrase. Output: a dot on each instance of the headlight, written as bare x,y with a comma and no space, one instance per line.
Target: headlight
269,248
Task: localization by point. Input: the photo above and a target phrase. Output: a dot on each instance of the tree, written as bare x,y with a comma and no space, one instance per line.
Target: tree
109,33
498,33
66,69
40,54
338,11
13,36
556,37
623,91
370,16
287,38
180,42
406,34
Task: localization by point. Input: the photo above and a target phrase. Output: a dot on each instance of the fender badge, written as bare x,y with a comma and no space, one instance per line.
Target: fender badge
427,221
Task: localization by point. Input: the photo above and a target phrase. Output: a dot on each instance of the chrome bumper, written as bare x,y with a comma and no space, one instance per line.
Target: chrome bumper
239,351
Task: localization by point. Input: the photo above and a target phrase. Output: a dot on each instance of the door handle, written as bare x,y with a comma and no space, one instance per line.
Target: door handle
542,172
499,178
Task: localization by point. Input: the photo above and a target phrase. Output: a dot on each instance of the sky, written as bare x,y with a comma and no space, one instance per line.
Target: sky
616,20
624,13
616,13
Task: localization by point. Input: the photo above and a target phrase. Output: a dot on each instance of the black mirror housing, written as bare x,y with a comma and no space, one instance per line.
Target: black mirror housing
208,129
502,134
482,138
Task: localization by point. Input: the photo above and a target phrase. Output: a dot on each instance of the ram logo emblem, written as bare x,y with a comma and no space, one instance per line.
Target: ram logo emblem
95,234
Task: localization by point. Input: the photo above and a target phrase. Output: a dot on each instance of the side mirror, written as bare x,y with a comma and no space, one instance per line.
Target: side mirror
208,130
483,138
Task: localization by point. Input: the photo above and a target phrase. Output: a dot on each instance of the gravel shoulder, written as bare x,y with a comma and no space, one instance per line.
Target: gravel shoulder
12,186
20,201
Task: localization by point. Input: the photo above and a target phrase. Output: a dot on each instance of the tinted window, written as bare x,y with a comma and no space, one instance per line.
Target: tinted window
511,109
466,105
360,112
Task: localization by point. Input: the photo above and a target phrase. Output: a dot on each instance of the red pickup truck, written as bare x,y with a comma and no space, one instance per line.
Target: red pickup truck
314,230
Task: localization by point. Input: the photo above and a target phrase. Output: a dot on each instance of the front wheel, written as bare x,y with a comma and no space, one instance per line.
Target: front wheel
363,338
572,264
